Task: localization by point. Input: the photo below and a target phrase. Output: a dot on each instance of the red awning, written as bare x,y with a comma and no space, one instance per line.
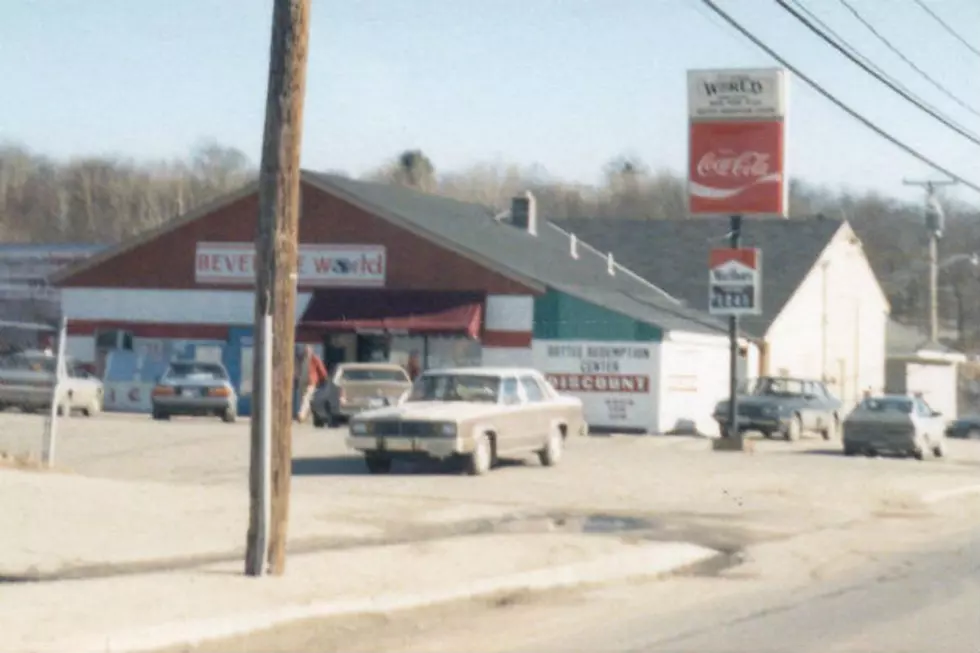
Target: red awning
395,310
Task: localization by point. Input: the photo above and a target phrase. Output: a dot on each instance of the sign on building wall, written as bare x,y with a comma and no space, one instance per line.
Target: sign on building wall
735,281
317,265
614,380
737,162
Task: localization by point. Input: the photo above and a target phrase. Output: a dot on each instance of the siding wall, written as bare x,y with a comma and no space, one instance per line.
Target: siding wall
558,316
834,326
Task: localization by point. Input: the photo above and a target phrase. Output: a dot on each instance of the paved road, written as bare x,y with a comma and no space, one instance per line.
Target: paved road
888,586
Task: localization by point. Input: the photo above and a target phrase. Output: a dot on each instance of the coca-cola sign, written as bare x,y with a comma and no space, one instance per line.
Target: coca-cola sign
736,167
736,93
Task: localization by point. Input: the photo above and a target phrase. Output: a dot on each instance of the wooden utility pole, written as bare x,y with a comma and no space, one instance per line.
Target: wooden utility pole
277,244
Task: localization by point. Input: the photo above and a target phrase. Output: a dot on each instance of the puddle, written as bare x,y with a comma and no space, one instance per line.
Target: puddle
728,541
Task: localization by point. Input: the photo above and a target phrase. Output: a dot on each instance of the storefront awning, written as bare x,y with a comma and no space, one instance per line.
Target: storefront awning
412,311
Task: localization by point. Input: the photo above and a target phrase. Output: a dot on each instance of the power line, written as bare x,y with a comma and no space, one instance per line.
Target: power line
908,149
947,27
962,131
891,46
857,53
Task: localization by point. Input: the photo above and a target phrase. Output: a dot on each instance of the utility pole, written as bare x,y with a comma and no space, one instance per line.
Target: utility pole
277,244
934,223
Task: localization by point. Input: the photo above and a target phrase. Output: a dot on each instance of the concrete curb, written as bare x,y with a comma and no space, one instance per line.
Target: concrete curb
646,560
943,495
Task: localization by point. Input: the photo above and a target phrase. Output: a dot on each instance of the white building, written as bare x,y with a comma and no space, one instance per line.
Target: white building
824,312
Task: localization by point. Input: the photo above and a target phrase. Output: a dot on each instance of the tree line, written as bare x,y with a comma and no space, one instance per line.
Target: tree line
105,199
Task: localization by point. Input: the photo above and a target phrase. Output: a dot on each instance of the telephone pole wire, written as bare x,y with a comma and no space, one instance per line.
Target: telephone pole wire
277,245
935,222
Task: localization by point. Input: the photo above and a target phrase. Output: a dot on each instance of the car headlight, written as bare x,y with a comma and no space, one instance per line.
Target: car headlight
358,428
449,430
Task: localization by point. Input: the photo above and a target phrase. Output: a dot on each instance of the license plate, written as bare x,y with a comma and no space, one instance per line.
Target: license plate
376,402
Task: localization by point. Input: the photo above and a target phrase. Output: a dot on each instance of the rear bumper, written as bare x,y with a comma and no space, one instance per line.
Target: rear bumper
879,441
194,405
754,423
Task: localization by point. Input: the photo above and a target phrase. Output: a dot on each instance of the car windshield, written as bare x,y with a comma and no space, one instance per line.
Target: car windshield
774,387
197,371
456,387
887,405
375,374
28,363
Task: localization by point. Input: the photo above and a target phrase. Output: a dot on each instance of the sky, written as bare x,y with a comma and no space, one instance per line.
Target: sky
566,85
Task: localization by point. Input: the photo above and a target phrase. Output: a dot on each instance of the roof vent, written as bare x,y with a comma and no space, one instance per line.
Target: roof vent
573,245
524,213
610,264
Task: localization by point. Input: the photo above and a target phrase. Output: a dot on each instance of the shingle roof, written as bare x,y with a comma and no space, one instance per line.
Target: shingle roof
545,258
673,254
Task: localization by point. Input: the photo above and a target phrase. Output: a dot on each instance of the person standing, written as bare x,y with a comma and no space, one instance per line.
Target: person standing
315,375
414,366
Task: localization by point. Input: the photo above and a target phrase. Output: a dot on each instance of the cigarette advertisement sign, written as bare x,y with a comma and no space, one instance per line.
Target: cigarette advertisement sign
614,380
735,281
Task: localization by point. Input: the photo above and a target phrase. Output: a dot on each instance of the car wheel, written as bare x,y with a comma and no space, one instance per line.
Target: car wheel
551,454
794,430
481,460
939,450
160,415
229,415
377,464
94,407
830,433
329,419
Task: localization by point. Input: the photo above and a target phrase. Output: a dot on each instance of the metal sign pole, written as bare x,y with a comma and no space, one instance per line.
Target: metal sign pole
735,240
51,424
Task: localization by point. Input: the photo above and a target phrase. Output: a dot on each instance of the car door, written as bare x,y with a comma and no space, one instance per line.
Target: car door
931,423
537,415
509,422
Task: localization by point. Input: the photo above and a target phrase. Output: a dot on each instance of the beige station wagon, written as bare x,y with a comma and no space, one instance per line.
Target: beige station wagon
473,414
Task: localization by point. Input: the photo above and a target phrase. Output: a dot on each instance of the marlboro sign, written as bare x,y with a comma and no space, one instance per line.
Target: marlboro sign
735,281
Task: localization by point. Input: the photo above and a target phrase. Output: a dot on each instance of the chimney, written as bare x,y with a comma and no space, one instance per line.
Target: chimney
573,245
524,213
610,265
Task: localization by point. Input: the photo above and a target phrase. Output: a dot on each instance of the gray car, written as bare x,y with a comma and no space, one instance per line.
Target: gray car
784,406
895,424
195,388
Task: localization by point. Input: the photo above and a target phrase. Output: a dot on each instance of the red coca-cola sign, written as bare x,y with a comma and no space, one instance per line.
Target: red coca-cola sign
736,167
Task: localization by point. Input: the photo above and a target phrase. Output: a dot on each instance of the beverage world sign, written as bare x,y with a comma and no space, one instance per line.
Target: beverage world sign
316,265
735,281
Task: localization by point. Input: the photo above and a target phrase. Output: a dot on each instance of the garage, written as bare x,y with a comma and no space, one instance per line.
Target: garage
386,272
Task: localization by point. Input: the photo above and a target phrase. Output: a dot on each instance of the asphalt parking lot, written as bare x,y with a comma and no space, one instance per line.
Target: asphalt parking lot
622,473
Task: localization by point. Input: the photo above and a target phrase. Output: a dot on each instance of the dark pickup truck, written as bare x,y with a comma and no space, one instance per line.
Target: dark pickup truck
783,406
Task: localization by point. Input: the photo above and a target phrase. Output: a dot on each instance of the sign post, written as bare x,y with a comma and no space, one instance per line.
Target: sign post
735,289
736,167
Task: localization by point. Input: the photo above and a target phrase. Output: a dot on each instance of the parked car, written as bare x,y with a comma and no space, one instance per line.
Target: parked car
356,387
471,414
195,388
894,424
965,427
785,406
27,382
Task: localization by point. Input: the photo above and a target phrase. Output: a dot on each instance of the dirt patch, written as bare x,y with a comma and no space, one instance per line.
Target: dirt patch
21,461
